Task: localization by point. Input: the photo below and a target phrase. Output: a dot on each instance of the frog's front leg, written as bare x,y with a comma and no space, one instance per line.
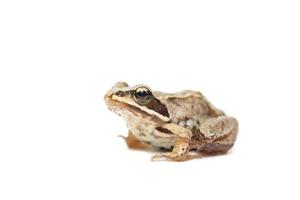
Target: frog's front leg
182,138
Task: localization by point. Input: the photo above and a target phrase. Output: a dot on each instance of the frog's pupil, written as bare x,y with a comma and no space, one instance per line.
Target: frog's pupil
142,94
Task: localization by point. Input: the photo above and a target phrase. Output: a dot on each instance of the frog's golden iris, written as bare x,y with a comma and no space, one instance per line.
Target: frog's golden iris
142,95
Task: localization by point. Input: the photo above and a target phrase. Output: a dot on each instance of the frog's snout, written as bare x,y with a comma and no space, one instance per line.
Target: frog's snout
114,90
108,95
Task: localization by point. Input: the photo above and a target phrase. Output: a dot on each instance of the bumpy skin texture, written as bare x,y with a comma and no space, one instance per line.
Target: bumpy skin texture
181,121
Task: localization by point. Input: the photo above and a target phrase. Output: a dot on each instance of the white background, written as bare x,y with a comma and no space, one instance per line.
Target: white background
58,58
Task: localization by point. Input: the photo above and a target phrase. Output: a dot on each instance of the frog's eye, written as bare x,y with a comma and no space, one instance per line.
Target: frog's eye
142,95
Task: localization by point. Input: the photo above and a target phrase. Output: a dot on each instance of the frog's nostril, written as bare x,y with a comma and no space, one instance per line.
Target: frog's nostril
119,93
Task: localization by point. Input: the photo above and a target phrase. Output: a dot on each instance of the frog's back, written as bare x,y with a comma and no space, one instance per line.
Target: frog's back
188,107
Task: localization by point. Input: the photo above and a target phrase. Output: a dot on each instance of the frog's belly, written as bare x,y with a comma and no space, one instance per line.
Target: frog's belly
144,132
155,141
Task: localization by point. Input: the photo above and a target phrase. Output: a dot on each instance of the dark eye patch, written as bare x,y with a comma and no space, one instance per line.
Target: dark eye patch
158,107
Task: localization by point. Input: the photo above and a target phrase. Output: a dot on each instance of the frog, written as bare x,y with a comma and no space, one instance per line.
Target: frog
180,123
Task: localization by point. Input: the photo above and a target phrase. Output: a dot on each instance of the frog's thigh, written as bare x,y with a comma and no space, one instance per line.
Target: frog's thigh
220,133
133,143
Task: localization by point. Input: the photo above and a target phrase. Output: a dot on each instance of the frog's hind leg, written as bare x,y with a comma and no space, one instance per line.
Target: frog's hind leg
133,143
220,134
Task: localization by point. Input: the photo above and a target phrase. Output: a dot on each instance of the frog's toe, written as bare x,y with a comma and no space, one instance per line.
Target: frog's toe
159,157
170,156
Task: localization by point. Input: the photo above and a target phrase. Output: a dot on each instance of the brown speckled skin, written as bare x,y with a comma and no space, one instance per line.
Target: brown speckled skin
192,122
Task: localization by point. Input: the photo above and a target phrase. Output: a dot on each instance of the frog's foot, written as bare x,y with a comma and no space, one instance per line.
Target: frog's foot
133,143
179,153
